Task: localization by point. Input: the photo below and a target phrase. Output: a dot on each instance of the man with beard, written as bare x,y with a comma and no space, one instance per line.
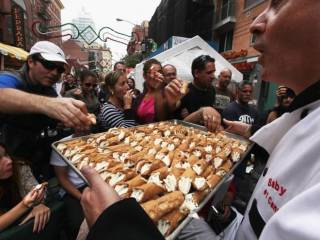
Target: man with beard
224,95
30,108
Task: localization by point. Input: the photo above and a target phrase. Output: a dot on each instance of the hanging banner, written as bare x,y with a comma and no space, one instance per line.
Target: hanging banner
18,26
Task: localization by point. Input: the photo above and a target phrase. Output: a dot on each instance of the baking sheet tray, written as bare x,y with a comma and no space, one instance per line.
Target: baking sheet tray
176,232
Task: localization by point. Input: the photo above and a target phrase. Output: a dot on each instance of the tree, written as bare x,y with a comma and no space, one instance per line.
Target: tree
132,60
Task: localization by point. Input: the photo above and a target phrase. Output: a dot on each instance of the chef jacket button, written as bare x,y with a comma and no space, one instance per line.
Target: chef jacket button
304,113
265,171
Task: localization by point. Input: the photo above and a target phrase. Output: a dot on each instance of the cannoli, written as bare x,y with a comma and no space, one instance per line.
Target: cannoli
158,175
167,160
162,172
41,186
116,168
170,183
177,172
200,166
213,180
106,175
123,190
77,158
92,118
193,159
192,201
170,221
219,159
208,149
199,183
122,176
236,154
197,152
136,181
226,166
219,146
61,147
120,148
209,170
184,145
163,205
146,192
185,180
101,166
184,164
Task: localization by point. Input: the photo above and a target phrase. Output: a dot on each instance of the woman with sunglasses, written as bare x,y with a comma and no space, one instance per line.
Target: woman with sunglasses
87,91
117,111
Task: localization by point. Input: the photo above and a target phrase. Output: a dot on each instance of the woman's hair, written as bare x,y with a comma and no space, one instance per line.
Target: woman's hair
147,65
86,73
111,80
9,194
134,83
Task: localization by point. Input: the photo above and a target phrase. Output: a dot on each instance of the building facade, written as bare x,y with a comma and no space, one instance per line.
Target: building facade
18,18
182,18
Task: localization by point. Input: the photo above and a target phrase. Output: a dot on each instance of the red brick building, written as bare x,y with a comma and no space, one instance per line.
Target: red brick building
231,30
18,16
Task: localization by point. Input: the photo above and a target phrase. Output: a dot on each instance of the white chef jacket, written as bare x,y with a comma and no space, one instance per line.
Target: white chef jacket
287,195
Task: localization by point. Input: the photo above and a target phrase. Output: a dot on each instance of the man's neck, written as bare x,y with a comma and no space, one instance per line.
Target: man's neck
242,103
199,87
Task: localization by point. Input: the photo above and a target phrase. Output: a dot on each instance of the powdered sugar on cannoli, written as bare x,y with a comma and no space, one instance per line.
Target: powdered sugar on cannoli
170,183
137,194
217,162
166,159
171,147
185,184
122,189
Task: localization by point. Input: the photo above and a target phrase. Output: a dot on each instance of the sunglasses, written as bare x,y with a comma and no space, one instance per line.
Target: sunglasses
51,65
90,85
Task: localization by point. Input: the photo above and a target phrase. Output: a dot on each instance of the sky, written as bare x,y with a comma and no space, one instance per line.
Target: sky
104,13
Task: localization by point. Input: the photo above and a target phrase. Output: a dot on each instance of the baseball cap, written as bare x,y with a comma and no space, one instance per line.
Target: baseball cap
49,51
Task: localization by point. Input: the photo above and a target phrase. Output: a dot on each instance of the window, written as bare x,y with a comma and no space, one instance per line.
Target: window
249,3
225,42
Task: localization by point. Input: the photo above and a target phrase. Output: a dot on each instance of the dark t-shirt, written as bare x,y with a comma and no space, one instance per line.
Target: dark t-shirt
197,98
239,112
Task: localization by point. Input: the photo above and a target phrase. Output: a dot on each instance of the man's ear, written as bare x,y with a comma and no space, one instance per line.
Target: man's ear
30,62
196,73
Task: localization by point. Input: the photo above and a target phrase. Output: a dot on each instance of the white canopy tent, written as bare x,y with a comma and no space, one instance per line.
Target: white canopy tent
182,55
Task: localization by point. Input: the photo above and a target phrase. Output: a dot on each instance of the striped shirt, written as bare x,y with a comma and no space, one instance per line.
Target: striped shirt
111,116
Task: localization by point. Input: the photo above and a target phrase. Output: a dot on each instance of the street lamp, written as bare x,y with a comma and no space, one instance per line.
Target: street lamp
123,20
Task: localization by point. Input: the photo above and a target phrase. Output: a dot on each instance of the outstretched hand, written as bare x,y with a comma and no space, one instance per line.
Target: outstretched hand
211,118
173,94
97,197
237,127
71,112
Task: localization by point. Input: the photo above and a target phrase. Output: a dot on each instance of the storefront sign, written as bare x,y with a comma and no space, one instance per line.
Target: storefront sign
18,26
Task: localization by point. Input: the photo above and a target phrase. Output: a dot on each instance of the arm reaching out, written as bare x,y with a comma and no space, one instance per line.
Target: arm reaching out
71,112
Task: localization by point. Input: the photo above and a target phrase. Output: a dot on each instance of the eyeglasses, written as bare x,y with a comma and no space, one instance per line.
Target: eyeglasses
51,65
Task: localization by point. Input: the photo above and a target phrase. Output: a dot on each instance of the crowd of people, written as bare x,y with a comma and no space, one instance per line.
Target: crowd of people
37,108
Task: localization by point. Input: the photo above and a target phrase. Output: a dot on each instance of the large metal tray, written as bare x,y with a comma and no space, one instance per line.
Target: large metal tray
176,232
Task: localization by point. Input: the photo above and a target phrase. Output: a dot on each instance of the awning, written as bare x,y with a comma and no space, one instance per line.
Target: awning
14,52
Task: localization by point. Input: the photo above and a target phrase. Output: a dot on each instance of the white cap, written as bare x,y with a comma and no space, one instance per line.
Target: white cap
49,51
